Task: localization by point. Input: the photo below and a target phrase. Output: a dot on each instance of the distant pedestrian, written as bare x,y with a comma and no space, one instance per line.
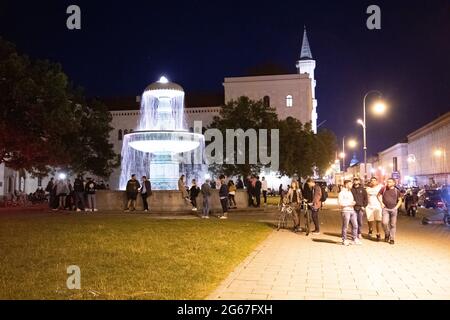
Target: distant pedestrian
264,188
313,194
347,203
239,184
223,195
232,194
374,209
182,188
249,187
62,190
391,201
361,202
193,194
50,188
91,190
257,191
78,189
206,192
146,191
132,190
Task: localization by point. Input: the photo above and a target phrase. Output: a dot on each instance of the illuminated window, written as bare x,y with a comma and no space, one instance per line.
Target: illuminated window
289,101
120,135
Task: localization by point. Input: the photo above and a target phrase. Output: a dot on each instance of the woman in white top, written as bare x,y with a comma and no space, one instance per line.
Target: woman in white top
373,209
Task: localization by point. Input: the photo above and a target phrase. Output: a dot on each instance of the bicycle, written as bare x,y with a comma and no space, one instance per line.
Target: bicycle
305,209
286,213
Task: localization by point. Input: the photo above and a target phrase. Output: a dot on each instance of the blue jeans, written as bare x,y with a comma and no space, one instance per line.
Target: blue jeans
349,217
390,222
359,218
205,206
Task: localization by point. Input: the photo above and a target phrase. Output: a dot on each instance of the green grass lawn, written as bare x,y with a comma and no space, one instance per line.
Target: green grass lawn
120,257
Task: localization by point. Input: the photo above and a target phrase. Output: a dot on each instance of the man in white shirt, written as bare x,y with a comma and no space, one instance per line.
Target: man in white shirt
264,189
374,209
347,202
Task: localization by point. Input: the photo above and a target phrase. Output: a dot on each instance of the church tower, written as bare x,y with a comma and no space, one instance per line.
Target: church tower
307,64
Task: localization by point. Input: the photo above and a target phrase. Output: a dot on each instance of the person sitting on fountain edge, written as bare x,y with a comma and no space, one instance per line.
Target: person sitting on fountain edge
132,190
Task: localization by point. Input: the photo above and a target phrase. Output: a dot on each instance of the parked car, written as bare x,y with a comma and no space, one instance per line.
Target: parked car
433,199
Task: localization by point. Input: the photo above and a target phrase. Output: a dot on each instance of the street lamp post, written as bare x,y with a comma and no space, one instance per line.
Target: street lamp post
363,123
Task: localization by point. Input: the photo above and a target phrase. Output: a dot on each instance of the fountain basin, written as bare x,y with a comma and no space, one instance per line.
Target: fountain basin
157,142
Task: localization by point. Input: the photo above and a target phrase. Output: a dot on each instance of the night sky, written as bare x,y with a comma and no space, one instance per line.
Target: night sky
123,46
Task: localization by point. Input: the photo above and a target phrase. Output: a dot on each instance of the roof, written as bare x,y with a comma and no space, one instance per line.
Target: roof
437,123
306,53
192,100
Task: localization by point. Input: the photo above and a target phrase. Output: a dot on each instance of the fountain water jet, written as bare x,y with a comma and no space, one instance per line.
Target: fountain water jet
161,143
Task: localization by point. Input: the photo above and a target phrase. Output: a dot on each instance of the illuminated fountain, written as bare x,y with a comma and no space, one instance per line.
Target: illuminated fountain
161,148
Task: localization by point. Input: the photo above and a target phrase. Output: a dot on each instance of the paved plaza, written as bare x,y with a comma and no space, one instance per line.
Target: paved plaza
292,266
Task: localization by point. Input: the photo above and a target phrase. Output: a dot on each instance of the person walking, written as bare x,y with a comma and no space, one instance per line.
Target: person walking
193,194
146,191
91,190
374,209
78,189
347,202
249,187
313,195
361,202
206,192
264,188
223,195
132,190
231,195
391,201
62,190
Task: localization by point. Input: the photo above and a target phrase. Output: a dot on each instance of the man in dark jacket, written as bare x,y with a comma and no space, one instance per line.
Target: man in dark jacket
223,195
146,191
361,202
51,193
257,191
313,194
132,190
78,189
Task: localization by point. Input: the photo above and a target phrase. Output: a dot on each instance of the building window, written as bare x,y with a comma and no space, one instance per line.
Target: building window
39,182
289,101
120,135
394,164
266,101
125,132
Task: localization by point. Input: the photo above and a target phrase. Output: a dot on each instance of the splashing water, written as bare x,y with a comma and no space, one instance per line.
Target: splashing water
162,148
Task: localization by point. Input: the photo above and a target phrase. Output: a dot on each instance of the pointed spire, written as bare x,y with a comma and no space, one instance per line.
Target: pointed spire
306,49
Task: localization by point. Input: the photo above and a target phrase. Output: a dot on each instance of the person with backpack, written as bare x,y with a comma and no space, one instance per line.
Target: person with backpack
313,194
223,195
361,202
132,190
91,190
193,194
391,200
146,191
78,189
206,192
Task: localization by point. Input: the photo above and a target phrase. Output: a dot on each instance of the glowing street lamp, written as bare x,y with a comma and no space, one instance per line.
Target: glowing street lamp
378,108
352,143
438,153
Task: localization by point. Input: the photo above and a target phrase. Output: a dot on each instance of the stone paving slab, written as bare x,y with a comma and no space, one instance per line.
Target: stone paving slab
292,266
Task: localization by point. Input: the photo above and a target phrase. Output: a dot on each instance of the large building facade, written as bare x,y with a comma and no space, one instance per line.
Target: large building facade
291,95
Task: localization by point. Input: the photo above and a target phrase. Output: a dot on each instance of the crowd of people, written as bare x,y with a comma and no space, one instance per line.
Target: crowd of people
79,196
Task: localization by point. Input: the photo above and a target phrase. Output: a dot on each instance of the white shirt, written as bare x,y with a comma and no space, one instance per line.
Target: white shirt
372,193
346,200
264,185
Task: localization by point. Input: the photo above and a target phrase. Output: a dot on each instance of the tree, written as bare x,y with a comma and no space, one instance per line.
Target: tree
244,114
45,123
325,150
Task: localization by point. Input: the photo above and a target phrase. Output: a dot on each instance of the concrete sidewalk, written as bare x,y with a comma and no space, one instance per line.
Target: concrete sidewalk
293,266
